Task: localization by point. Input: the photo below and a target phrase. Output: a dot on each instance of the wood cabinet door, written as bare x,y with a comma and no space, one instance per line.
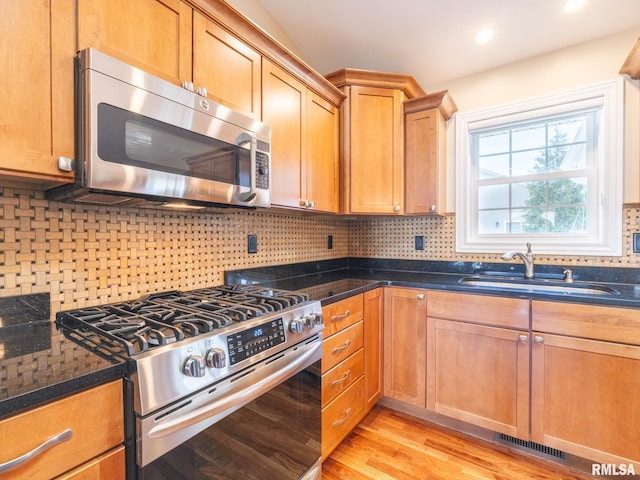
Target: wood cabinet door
283,107
405,344
585,397
320,163
228,68
479,374
425,163
373,347
154,35
36,88
375,158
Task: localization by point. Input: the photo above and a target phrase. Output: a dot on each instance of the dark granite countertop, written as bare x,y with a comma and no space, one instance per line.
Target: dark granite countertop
38,364
333,280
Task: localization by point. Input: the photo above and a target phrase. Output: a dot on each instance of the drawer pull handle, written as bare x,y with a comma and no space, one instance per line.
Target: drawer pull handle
340,421
61,437
342,380
343,347
335,318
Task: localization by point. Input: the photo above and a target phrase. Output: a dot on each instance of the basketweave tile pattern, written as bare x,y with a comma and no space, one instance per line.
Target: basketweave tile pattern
86,254
393,237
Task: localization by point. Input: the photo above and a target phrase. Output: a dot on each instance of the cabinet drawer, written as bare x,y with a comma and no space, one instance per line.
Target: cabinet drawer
340,315
91,434
341,416
588,321
109,466
341,376
341,345
497,311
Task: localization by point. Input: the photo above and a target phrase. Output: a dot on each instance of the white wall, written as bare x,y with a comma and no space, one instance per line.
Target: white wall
253,10
577,66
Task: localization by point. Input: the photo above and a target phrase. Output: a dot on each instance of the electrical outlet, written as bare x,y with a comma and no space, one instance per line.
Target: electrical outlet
636,243
419,242
252,244
330,242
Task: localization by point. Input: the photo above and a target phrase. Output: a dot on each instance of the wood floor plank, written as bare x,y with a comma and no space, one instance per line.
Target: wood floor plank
389,445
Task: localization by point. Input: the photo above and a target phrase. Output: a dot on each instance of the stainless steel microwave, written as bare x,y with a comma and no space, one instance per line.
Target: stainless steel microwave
140,137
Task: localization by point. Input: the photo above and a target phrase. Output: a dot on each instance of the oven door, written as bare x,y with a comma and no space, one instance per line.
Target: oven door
265,424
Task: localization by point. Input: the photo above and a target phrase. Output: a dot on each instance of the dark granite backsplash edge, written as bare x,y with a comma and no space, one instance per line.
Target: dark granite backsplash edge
280,272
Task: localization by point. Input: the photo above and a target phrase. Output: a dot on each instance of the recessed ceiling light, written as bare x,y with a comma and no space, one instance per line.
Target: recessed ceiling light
484,35
573,5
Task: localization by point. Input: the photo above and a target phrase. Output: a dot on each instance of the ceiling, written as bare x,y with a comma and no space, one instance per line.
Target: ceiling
434,40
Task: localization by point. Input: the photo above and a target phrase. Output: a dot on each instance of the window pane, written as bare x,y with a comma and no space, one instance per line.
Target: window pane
572,129
493,221
493,196
528,162
528,137
567,191
494,166
528,194
490,143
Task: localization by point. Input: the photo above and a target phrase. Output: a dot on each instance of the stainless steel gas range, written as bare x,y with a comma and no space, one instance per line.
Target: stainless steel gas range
223,381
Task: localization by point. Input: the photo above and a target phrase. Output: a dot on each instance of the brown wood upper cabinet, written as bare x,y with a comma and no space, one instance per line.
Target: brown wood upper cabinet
372,139
304,159
36,96
169,39
425,152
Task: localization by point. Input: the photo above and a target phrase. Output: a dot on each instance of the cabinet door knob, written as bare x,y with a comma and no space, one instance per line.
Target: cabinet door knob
433,208
420,296
523,338
538,339
187,85
396,208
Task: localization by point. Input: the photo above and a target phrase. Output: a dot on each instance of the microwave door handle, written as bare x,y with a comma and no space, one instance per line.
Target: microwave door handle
251,194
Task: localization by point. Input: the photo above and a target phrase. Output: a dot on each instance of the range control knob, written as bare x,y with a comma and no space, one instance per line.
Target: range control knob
309,320
318,318
193,366
216,358
296,326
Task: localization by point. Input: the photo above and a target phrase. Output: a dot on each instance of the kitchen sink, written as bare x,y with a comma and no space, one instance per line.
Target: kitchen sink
548,287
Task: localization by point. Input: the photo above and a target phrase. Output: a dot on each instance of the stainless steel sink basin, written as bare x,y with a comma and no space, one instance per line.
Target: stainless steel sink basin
542,287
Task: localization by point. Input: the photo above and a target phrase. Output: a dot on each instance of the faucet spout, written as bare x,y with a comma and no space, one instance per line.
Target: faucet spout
527,258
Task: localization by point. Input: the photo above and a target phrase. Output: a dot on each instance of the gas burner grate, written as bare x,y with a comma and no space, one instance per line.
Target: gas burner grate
168,317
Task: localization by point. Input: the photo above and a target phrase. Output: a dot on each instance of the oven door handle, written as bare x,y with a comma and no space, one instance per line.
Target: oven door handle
233,400
242,139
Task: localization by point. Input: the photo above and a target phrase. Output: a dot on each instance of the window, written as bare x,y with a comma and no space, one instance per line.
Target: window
546,171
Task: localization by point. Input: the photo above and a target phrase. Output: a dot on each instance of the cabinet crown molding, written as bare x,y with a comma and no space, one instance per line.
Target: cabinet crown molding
370,78
244,28
631,65
441,100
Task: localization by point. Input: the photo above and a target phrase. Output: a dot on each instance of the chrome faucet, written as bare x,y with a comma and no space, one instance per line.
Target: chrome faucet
527,258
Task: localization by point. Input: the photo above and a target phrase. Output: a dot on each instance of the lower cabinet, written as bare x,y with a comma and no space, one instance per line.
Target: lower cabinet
479,374
585,385
342,371
89,447
405,344
478,370
373,347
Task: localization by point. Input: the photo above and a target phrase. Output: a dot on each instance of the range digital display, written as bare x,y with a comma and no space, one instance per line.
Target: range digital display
253,341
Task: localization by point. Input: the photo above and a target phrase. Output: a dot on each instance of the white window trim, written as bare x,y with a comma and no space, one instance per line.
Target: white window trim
607,239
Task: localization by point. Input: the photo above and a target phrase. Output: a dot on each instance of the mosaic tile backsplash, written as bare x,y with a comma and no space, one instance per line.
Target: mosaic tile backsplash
85,254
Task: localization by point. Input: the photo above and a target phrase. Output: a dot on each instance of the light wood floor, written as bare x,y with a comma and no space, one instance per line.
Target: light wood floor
388,445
